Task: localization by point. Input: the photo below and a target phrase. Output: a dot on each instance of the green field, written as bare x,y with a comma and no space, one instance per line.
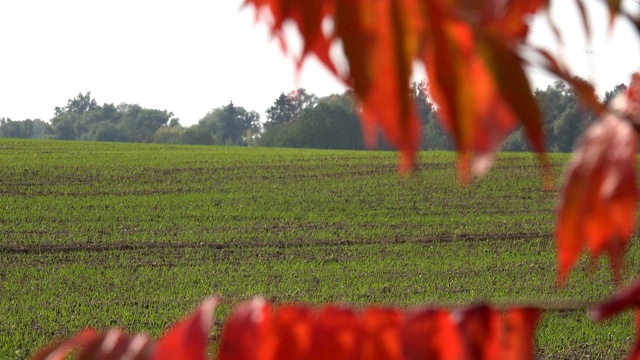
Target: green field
136,235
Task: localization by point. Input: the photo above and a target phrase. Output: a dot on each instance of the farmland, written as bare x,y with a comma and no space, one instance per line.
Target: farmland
136,235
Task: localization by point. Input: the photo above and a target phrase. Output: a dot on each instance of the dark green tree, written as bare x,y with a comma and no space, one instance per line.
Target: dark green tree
332,124
433,136
196,135
231,125
78,105
83,119
25,129
420,95
143,123
288,107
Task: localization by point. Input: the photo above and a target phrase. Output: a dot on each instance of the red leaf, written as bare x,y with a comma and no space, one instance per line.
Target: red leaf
514,24
598,199
479,330
431,334
60,349
477,81
380,40
380,334
113,345
292,326
335,335
188,339
246,331
513,87
518,333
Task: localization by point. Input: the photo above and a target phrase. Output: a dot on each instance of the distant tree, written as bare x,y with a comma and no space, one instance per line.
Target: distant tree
516,142
231,125
78,105
83,119
301,100
434,137
169,135
143,123
288,107
196,135
26,129
174,123
420,95
112,132
331,124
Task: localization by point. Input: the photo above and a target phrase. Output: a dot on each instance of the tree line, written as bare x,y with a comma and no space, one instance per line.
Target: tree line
298,119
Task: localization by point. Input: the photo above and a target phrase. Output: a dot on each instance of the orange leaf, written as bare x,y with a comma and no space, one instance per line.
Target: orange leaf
60,349
380,41
380,334
513,86
479,331
470,104
431,334
292,326
188,339
246,331
598,199
514,24
518,333
335,335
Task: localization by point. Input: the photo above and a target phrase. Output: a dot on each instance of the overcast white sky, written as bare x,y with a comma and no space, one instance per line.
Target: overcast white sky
191,56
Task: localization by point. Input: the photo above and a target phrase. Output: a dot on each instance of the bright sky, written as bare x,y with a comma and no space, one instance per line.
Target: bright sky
192,56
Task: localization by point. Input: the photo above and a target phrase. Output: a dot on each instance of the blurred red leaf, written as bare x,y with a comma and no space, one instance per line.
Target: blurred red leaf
479,330
380,334
518,333
114,344
246,332
308,16
598,199
188,339
431,334
335,335
292,326
60,349
477,81
380,40
583,16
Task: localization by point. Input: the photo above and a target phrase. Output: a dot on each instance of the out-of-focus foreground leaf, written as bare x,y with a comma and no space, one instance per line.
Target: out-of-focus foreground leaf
335,333
598,199
188,339
470,52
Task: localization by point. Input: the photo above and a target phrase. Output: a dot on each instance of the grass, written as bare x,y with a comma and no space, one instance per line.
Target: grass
136,235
